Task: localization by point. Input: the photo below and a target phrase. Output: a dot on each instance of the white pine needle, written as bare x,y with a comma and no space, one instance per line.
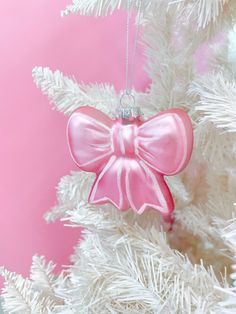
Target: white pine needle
217,100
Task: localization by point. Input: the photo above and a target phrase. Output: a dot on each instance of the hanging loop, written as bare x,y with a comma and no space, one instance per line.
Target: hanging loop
127,99
127,106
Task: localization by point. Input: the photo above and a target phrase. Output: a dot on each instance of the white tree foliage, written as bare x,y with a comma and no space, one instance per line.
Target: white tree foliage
105,7
20,296
131,264
207,11
67,95
217,100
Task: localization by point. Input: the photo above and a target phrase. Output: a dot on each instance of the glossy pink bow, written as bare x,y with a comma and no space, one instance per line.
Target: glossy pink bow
130,157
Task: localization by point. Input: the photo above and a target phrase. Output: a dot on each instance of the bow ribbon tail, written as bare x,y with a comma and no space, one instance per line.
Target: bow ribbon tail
146,188
108,185
130,183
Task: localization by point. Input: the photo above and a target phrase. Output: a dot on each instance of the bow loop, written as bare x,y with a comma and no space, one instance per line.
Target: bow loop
165,141
89,138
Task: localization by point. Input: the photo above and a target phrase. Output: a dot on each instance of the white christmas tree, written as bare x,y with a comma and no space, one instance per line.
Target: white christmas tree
127,263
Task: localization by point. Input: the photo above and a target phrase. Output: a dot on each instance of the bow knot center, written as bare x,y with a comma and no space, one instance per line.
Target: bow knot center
124,137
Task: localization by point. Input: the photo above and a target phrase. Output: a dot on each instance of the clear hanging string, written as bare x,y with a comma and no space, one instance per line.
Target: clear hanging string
127,100
129,80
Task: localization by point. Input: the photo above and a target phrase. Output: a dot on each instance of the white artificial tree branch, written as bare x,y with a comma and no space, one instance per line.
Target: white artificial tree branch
216,94
209,13
44,279
71,191
105,7
210,145
133,267
20,297
67,95
227,230
169,68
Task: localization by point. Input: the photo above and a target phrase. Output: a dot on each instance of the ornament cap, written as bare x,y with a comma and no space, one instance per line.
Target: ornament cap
127,108
128,112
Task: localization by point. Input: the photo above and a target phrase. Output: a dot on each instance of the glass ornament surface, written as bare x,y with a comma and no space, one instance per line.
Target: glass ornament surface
131,156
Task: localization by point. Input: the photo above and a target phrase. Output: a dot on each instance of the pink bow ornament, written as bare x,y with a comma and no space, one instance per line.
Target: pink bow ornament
130,157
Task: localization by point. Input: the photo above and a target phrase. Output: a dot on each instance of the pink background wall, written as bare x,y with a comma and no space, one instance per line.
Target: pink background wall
33,150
